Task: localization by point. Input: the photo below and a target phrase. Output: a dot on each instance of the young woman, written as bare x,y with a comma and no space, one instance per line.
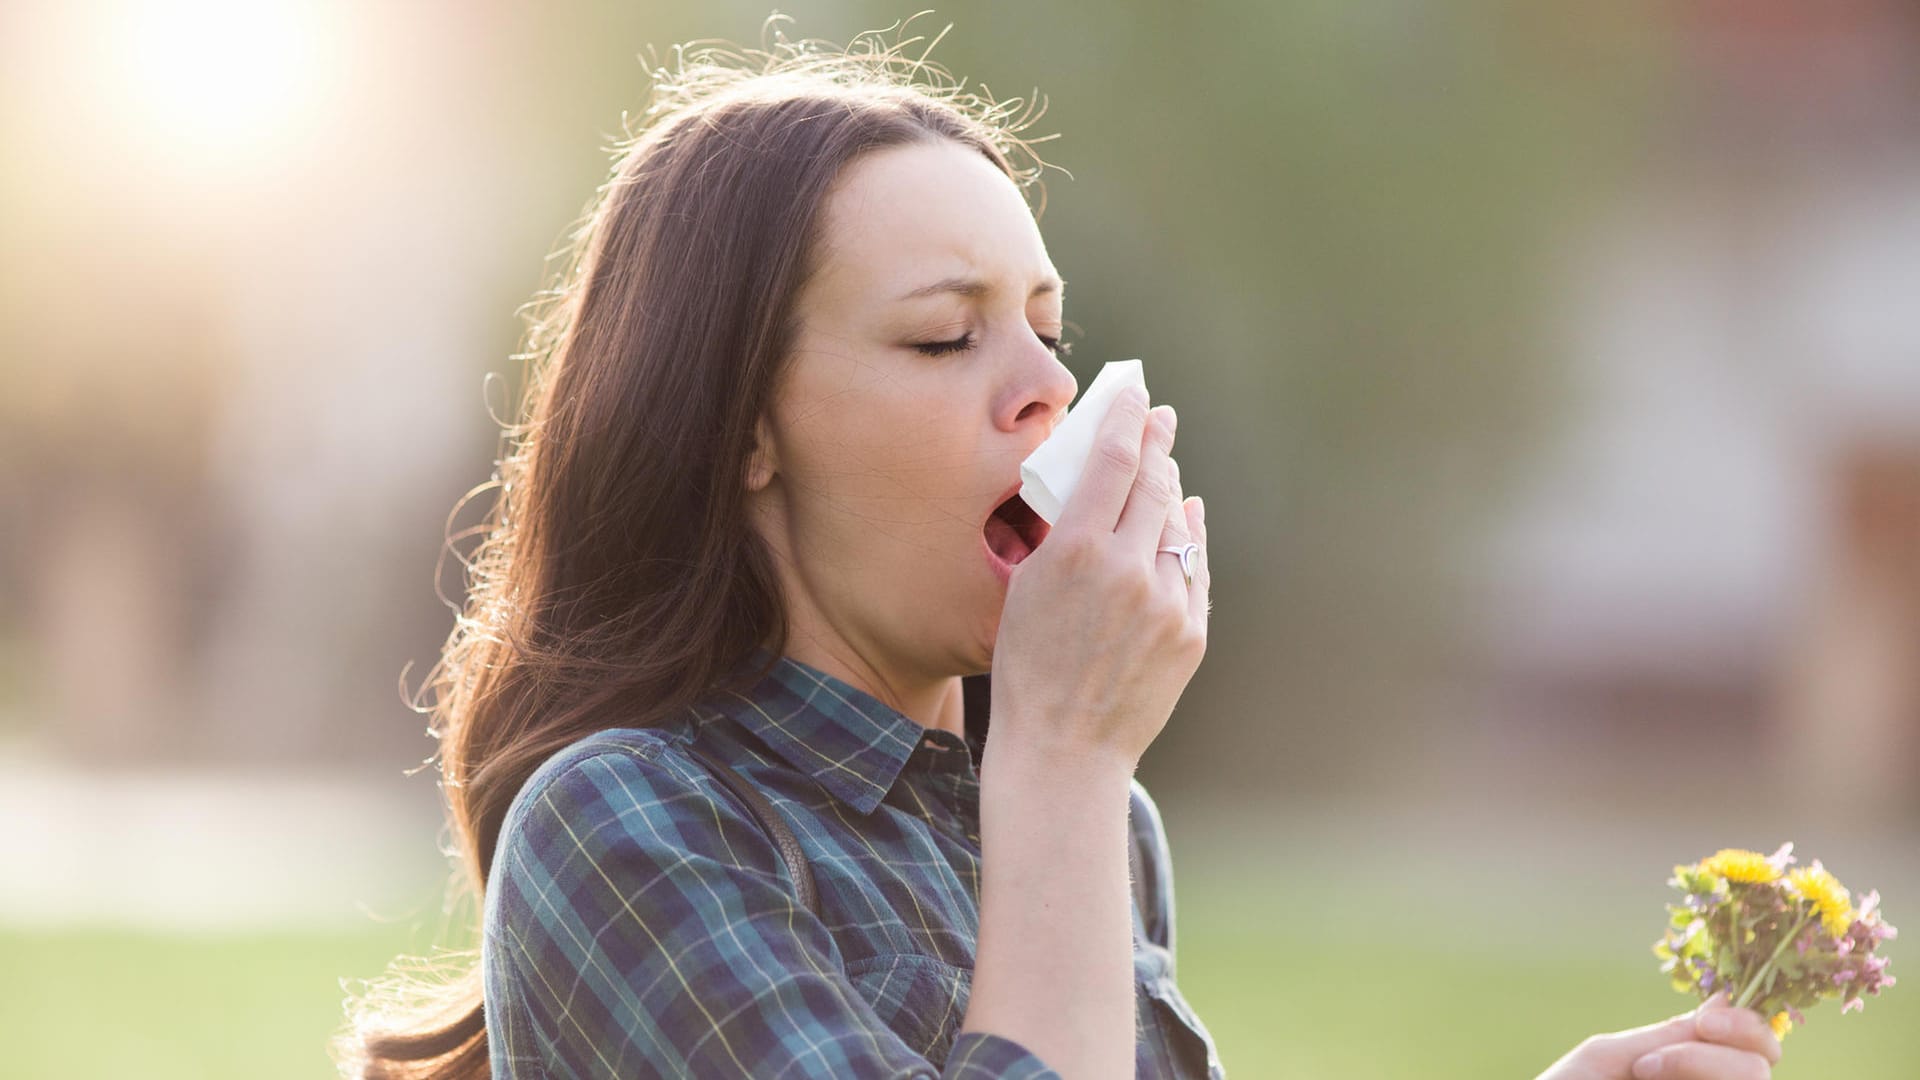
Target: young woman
757,552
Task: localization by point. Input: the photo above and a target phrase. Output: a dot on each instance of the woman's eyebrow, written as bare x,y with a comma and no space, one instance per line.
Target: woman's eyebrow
975,287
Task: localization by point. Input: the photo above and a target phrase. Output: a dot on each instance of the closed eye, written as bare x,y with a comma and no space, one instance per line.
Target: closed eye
942,348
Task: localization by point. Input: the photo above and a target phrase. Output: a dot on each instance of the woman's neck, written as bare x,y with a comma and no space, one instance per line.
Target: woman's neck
932,701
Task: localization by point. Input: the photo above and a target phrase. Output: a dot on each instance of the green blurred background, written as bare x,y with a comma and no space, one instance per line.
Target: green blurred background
1552,375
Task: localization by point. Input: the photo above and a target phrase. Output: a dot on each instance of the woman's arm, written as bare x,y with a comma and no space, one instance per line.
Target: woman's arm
650,929
1098,639
1053,970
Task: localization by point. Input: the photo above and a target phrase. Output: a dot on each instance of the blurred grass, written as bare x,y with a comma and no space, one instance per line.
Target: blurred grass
122,1003
1290,982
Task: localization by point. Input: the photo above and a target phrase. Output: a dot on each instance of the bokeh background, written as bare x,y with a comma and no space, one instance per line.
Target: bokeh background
1552,373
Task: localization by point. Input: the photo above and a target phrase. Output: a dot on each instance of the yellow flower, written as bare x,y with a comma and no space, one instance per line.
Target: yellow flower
1830,898
1781,1023
1736,864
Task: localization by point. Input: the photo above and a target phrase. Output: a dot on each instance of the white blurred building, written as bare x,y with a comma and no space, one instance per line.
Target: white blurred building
1730,526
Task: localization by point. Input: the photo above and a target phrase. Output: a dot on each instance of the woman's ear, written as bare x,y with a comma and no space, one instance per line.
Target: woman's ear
761,465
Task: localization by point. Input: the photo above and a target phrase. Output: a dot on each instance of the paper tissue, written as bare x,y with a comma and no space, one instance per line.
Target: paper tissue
1049,475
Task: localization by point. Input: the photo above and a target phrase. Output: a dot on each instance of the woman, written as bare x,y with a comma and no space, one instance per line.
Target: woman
760,519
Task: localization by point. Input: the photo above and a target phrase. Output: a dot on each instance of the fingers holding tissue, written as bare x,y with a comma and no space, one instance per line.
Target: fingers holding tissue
1055,470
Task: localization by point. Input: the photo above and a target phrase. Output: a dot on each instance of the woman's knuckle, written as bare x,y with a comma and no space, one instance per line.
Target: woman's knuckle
1704,1060
1157,489
1120,455
1681,1062
1128,409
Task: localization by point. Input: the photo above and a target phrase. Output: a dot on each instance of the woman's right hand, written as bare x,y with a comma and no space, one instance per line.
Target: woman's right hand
1714,1042
1100,632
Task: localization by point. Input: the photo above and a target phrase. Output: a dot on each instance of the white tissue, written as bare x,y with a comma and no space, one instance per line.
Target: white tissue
1051,472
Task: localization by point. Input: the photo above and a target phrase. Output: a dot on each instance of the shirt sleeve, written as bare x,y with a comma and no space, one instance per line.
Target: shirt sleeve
653,929
1153,868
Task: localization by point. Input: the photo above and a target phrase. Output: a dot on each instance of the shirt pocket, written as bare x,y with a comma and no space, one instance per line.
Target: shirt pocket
1177,1045
921,998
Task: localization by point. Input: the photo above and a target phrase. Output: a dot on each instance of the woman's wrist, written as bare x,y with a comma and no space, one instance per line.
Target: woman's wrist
1026,752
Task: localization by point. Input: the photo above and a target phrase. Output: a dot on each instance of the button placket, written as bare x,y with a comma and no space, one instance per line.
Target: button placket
967,797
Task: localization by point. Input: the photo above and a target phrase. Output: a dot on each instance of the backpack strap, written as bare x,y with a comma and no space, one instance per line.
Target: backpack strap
772,823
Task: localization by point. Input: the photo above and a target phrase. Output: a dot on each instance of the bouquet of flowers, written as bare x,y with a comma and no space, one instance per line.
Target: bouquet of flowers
1775,938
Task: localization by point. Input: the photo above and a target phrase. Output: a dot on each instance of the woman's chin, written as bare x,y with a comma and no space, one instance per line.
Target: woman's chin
987,633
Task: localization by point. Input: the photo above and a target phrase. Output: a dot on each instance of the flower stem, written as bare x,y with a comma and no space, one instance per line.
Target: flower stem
1733,928
1761,975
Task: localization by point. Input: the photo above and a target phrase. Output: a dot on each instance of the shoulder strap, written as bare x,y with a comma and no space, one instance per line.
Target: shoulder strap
770,821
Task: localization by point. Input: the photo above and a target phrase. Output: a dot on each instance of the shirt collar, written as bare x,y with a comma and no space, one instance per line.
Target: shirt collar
843,738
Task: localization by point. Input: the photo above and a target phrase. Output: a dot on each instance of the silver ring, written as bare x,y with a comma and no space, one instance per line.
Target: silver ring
1186,553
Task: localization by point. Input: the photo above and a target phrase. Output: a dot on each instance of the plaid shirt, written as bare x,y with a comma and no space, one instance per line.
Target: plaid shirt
638,921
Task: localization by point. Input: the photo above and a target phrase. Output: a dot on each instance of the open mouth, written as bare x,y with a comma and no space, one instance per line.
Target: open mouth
1013,530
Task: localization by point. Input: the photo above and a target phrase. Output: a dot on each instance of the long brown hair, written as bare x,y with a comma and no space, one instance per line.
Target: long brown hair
617,579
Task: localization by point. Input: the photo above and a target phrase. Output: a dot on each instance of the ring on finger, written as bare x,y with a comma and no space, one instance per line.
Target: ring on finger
1187,553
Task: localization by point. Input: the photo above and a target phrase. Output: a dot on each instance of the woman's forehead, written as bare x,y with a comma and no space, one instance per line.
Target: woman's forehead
908,218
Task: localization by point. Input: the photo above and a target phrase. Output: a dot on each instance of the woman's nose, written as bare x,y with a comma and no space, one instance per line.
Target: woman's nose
1047,390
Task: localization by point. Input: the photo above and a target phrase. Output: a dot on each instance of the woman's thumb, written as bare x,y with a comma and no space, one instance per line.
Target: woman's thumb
1623,1048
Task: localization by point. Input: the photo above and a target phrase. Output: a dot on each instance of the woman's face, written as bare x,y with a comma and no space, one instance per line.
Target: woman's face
923,372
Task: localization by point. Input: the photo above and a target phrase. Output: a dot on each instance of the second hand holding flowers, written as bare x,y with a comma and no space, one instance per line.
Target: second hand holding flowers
1775,939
